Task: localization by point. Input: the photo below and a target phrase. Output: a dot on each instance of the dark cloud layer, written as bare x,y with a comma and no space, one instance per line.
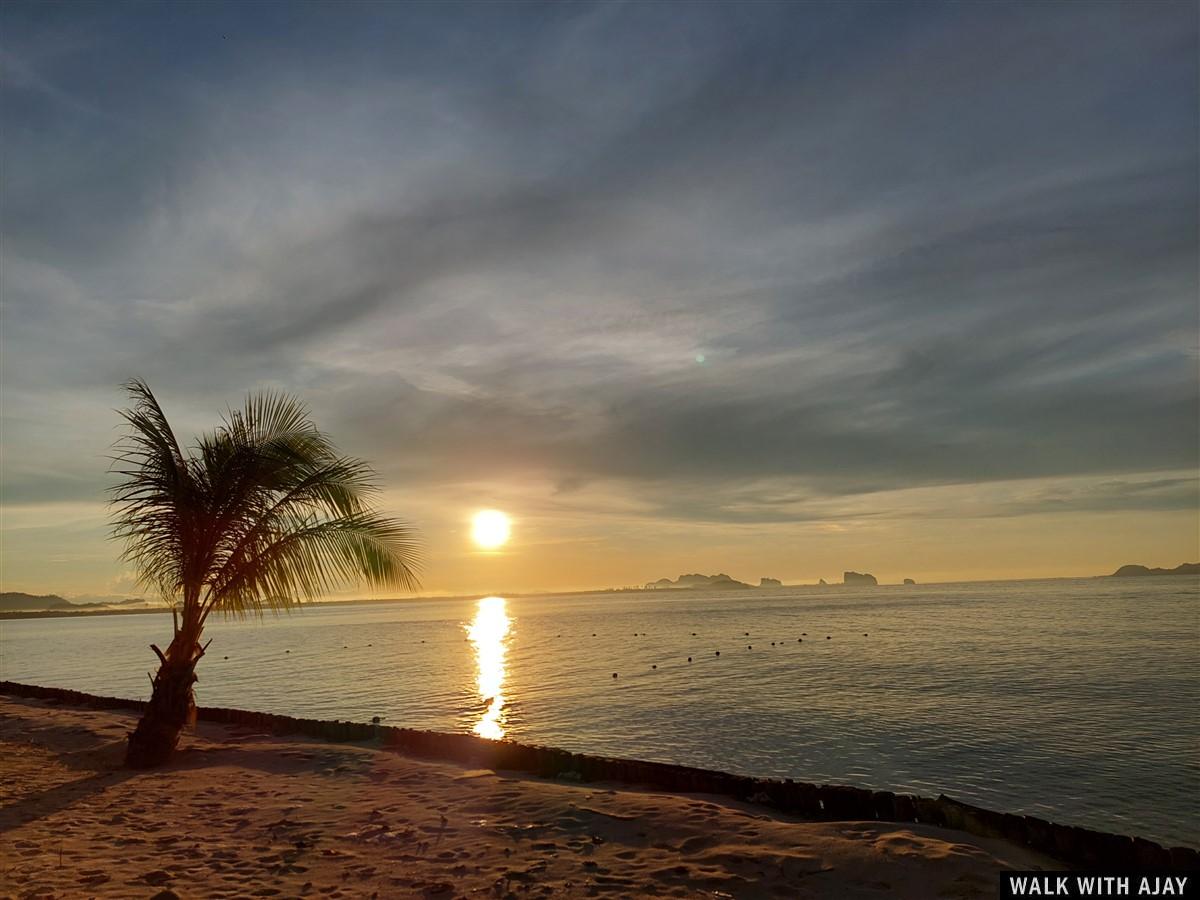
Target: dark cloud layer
850,248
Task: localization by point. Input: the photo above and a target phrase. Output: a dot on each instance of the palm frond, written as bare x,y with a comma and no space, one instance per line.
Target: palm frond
266,513
155,499
311,558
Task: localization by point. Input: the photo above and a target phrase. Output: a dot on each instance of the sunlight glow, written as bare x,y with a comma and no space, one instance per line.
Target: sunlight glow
490,529
487,632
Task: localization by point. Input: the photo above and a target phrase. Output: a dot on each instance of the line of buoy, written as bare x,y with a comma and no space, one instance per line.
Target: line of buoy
799,640
718,652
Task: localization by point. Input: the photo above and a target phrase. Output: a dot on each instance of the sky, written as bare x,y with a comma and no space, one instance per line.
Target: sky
767,289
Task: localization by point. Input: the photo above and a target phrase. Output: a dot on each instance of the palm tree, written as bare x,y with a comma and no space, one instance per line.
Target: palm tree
261,513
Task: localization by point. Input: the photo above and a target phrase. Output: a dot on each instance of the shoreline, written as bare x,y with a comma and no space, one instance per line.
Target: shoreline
1069,844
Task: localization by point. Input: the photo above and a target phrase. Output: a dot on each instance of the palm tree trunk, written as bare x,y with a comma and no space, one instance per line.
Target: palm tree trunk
172,702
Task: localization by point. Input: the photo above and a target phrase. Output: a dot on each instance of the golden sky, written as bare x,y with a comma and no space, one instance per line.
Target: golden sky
770,289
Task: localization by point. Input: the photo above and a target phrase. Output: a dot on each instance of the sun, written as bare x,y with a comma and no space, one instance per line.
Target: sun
490,529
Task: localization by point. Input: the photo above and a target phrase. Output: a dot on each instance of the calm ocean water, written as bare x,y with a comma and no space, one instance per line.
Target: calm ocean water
1076,700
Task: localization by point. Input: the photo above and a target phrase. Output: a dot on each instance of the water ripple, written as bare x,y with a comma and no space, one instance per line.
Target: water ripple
1072,699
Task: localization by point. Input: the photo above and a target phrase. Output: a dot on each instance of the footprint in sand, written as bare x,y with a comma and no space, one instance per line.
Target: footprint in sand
696,844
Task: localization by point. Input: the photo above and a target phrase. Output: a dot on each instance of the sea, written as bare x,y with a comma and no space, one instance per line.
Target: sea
1077,700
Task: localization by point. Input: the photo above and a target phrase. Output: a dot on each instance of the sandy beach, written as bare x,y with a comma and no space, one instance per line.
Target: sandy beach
244,814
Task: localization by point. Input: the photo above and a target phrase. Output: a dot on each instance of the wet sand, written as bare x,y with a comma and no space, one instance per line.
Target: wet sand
244,814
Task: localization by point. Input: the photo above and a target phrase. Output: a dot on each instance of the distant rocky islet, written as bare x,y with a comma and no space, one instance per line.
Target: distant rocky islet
721,581
1135,571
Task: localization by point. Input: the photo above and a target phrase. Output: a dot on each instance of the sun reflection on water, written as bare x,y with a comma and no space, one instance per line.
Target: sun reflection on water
487,632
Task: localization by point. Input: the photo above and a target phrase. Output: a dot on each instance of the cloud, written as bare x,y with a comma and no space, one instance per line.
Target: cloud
915,246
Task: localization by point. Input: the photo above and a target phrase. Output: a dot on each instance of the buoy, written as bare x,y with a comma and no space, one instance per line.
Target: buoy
828,638
799,640
804,634
689,659
747,634
654,667
374,720
864,634
693,634
287,651
718,653
749,647
614,674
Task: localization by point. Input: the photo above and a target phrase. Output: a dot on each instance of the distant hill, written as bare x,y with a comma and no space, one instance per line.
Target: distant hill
1139,571
109,604
19,602
15,601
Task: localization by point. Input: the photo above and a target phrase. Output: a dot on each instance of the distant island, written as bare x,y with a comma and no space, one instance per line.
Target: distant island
720,581
1133,571
723,582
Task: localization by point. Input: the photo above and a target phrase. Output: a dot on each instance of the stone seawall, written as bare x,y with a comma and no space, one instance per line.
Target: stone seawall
1075,846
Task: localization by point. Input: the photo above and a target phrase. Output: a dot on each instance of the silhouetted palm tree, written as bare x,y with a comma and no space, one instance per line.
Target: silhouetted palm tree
262,513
